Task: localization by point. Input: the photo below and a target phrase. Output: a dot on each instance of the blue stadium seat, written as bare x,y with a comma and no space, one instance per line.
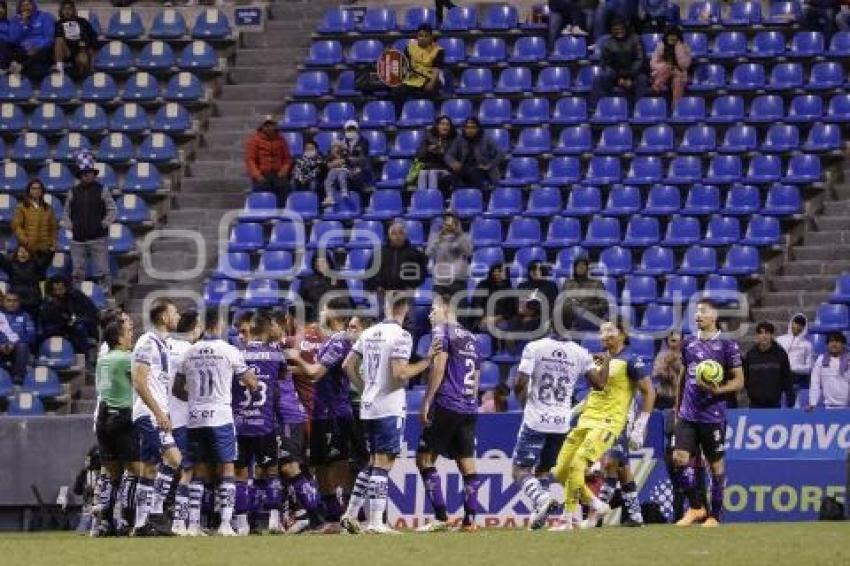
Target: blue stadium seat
702,14
826,75
724,169
88,117
658,318
702,200
486,232
698,43
729,45
562,171
95,293
611,110
583,201
532,112
378,114
330,233
722,231
768,45
603,170
642,231
304,203
125,24
650,41
585,77
500,18
57,87
689,110
783,200
168,24
831,318
457,109
407,143
68,147
295,141
494,111
377,142
839,45
614,261
533,141
726,109
56,353
553,80
57,178
384,205
764,169
337,21
415,232
198,55
623,200
544,202
157,148
521,171
524,256
12,118
8,204
656,261
569,48
682,231
781,138
415,17
246,237
261,293
460,18
324,53
566,258
416,113
766,108
488,51
475,81
29,147
839,108
24,404
484,258
277,264
13,178
467,203
184,87
698,139
141,87
156,56
684,169
742,200
6,385
570,110
615,140
841,294
47,118
575,140
312,83
678,289
640,290
172,117
747,76
259,207
394,174
15,88
806,44
483,344
786,76
699,260
743,13
142,178
708,77
286,235
650,110
663,200
602,232
367,233
528,49
740,138
233,265
523,232
129,118
365,52
454,50
132,210
723,289
784,12
563,232
378,20
514,80
211,23
656,139
805,108
762,231
741,261
425,204
115,56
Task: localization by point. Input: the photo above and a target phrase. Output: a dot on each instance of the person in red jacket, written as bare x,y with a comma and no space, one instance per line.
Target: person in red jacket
268,160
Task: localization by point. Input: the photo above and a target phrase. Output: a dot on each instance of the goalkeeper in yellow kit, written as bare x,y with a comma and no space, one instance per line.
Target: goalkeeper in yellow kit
602,421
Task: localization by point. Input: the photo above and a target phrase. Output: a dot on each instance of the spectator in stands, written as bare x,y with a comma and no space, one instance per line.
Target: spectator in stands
767,372
623,65
666,371
501,308
25,275
565,16
609,11
657,15
495,400
75,41
89,211
799,349
67,312
473,158
831,375
14,350
449,250
349,165
528,323
34,30
268,160
8,38
440,6
842,19
670,63
322,285
308,170
432,153
400,265
538,279
819,15
34,222
426,59
21,322
586,296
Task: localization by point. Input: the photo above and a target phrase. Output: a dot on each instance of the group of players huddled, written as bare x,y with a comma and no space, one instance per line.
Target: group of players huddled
201,435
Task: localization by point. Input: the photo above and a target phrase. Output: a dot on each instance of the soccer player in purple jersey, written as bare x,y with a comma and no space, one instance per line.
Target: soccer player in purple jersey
449,414
254,417
701,414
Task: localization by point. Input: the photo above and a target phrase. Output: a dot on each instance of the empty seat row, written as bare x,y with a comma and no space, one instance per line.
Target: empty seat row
742,12
117,56
169,23
383,20
824,75
142,177
114,148
48,118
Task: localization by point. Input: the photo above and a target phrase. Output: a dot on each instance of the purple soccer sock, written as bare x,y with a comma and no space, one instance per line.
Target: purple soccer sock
331,504
258,496
718,488
434,490
243,498
688,482
308,498
274,493
471,483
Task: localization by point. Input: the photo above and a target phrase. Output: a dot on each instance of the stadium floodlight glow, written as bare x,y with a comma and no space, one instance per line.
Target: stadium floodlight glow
174,274
282,215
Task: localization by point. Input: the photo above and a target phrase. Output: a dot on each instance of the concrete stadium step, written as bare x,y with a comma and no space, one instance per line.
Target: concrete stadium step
801,268
837,208
84,406
225,139
257,74
257,91
824,223
253,108
827,238
214,185
802,283
835,252
230,201
219,170
305,11
799,299
277,40
284,57
778,314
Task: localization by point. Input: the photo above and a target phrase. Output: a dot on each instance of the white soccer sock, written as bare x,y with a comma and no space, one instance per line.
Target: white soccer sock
226,498
162,485
359,492
196,496
378,488
633,506
144,501
533,489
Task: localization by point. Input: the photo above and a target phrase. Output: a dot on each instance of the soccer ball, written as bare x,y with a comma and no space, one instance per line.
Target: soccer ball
709,372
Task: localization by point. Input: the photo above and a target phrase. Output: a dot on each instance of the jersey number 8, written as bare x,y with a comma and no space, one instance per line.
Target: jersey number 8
551,389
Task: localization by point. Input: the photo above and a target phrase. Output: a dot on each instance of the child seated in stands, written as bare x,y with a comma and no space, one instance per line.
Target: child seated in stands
309,168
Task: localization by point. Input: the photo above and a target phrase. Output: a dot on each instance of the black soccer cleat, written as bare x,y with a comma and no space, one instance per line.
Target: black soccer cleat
631,523
146,530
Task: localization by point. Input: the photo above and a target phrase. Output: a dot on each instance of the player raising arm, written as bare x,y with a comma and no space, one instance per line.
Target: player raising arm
701,414
384,350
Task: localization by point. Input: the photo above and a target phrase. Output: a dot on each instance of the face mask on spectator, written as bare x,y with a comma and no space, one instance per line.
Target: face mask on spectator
351,134
309,153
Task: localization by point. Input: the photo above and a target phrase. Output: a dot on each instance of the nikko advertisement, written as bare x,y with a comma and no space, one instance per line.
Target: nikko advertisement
780,464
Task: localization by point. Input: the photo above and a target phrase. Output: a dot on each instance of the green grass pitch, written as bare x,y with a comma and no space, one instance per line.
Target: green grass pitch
773,544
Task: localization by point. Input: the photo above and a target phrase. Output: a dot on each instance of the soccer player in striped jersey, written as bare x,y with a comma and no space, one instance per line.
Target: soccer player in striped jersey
384,350
449,413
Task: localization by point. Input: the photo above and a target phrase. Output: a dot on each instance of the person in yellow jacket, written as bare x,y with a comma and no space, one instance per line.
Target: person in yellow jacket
426,58
34,222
